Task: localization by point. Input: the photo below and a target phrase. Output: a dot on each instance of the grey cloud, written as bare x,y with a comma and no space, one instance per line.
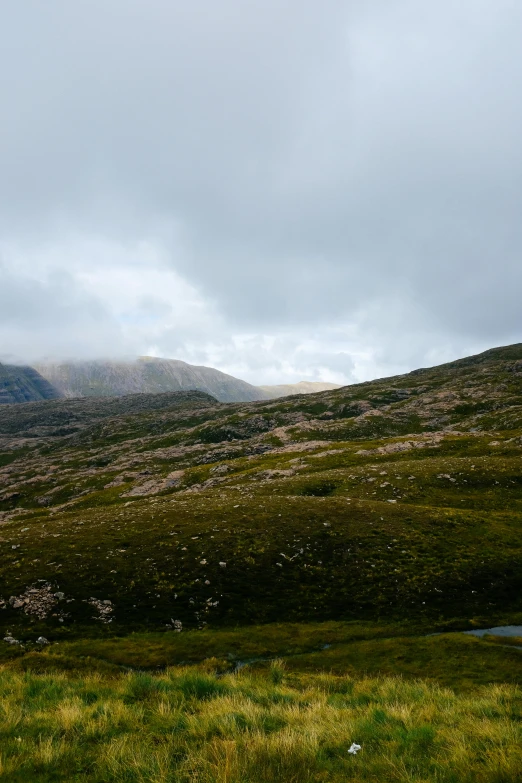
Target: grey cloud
305,165
52,317
45,302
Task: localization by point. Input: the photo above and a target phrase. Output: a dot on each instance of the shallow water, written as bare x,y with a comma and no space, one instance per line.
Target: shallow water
501,630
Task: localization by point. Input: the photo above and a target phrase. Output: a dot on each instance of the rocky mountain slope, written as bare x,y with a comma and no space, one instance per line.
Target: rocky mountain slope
24,384
399,498
144,375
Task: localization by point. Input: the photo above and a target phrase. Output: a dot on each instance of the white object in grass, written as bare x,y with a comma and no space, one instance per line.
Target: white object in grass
354,748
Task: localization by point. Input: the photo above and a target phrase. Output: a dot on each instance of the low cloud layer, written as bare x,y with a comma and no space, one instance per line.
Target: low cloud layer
283,190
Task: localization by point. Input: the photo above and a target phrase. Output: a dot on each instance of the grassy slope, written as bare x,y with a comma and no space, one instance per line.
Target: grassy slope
255,727
293,495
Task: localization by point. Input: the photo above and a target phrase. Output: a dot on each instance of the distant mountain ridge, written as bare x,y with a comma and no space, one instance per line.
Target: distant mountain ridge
146,374
151,375
24,384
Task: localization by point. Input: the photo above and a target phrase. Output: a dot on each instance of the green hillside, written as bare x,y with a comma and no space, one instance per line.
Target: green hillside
400,498
199,591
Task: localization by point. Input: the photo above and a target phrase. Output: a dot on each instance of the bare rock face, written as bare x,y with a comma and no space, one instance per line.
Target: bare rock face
154,485
220,470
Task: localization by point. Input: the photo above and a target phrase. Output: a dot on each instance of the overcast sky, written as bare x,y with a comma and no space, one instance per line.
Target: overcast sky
282,189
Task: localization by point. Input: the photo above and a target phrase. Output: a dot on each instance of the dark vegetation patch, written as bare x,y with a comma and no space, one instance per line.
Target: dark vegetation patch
320,488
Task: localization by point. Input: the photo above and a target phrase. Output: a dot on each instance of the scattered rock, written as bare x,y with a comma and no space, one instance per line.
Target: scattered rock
148,488
11,640
174,478
104,609
42,640
36,601
265,475
213,482
220,470
433,440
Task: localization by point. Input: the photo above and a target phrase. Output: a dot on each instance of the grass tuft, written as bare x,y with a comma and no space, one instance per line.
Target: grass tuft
187,725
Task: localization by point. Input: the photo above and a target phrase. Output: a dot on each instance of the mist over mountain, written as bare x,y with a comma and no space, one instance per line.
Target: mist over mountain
303,387
151,375
146,374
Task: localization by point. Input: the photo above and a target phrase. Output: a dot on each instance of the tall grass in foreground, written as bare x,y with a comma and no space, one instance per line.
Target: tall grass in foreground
254,727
